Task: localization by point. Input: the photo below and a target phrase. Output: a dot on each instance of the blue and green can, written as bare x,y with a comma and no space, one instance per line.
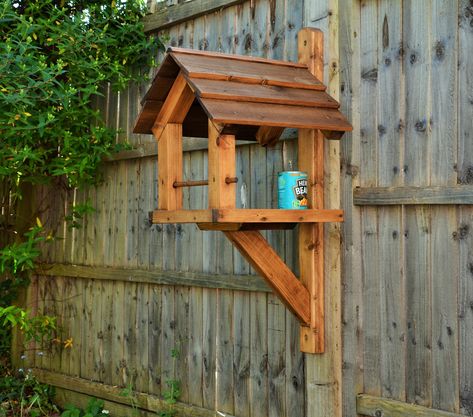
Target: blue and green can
292,190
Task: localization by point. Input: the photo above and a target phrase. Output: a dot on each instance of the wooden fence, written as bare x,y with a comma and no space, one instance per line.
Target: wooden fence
404,73
131,294
406,82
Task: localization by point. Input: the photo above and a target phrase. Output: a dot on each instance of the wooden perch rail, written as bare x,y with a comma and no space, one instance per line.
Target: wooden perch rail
177,184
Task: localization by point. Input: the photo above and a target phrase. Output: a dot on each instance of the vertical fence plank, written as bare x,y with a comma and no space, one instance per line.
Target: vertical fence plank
290,163
168,340
368,177
445,369
130,335
195,365
56,300
416,170
465,174
145,176
181,297
209,312
194,362
132,219
241,352
276,310
88,342
350,60
390,253
224,354
68,305
154,340
118,312
276,356
258,355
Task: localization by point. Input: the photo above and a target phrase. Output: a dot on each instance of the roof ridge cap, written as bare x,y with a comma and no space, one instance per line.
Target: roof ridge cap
237,57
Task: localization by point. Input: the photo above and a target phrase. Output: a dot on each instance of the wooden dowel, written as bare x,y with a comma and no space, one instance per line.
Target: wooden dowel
178,184
231,180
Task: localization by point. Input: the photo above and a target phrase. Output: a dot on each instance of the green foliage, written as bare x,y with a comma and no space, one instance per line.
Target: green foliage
94,409
33,327
129,393
20,256
22,395
56,59
172,394
16,260
54,56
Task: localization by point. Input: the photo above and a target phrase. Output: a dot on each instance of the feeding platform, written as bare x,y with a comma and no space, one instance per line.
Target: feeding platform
226,98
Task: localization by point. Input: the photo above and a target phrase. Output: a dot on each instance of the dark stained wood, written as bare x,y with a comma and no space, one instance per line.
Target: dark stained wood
264,114
162,81
145,120
246,226
254,247
251,72
235,91
332,134
268,135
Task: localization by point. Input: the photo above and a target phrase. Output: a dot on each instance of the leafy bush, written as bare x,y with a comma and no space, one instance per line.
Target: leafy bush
22,395
16,260
54,56
94,409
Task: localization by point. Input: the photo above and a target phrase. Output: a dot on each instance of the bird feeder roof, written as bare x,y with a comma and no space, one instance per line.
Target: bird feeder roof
242,94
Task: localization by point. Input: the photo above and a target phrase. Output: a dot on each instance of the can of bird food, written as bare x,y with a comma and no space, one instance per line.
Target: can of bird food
292,190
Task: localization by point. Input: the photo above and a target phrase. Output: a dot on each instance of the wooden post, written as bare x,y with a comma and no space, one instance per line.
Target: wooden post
222,194
311,236
170,167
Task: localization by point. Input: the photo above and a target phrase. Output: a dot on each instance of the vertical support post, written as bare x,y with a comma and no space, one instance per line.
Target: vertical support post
222,164
170,167
311,236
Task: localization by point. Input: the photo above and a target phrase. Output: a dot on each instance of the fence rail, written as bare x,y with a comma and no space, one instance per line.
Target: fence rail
158,277
369,405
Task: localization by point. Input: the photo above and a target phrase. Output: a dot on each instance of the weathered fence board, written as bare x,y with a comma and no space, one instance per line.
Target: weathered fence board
465,223
439,194
369,405
418,158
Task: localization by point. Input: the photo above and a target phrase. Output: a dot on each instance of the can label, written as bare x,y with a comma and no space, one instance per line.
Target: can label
292,190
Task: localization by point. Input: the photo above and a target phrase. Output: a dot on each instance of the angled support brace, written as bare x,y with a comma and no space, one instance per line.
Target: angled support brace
256,250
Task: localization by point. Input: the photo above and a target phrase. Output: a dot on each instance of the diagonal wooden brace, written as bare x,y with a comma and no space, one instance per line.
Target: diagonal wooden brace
256,250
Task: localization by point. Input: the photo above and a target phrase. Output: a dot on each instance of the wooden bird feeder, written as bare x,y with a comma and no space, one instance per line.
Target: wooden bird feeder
226,98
